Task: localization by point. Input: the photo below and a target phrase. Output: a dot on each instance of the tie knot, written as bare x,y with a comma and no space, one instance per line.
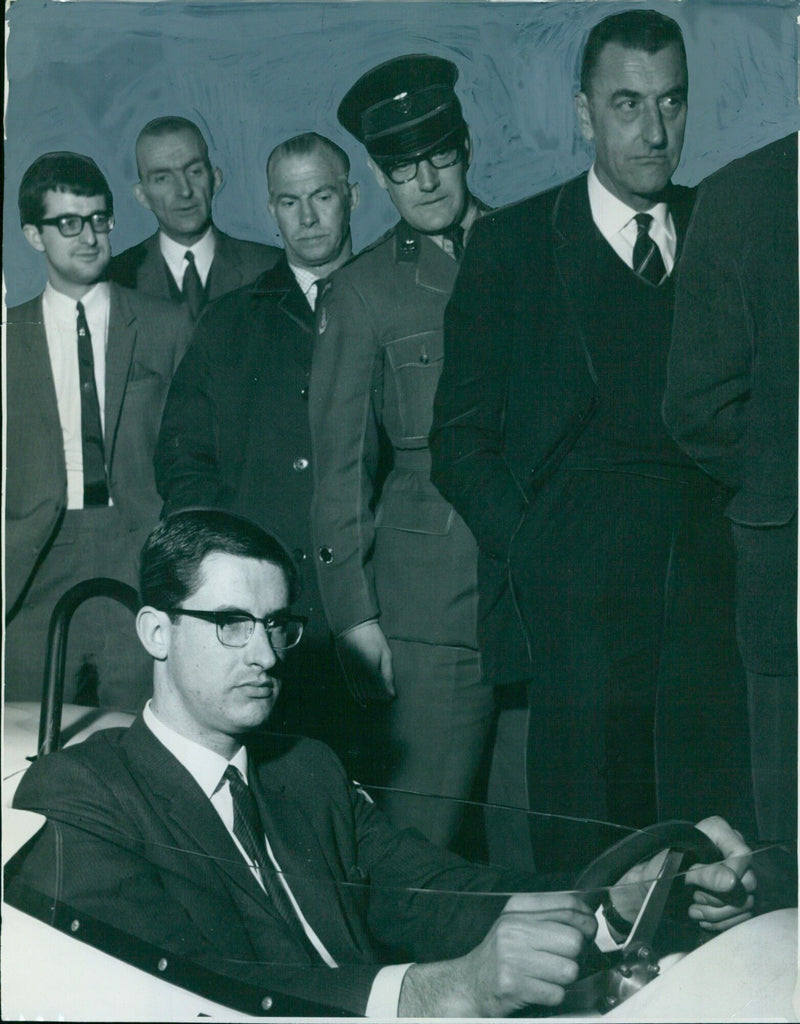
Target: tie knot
233,776
81,311
643,222
189,256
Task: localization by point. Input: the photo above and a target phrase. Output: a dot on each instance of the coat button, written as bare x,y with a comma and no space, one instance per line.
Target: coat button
299,555
266,1003
162,964
300,464
74,926
326,555
304,393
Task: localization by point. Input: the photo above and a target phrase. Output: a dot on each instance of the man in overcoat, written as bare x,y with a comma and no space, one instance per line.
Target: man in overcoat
235,432
605,573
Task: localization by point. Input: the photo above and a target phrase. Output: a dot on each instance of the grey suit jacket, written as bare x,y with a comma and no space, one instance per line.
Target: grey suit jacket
236,263
146,339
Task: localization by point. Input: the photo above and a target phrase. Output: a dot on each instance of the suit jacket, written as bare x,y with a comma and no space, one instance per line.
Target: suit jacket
146,339
731,397
389,547
142,849
236,263
518,385
235,431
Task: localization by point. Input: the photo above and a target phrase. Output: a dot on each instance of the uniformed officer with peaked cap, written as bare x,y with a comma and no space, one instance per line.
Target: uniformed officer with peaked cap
396,564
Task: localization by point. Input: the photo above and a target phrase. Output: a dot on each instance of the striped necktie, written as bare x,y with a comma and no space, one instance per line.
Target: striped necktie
647,260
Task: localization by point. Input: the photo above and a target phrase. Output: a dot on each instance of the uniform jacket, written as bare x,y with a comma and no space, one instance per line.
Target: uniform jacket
235,431
377,361
518,385
143,849
236,263
146,339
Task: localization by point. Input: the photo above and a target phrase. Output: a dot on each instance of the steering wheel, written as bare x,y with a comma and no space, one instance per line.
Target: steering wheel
628,970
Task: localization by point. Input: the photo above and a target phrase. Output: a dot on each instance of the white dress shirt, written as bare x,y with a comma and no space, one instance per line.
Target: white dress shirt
307,281
60,315
207,768
616,222
174,254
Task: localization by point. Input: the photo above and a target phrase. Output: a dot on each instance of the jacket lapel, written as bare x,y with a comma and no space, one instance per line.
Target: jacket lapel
42,396
188,815
226,270
120,346
153,275
573,229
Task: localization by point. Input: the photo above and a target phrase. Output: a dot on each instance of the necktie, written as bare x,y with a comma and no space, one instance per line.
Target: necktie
455,236
647,260
312,293
248,829
193,292
95,484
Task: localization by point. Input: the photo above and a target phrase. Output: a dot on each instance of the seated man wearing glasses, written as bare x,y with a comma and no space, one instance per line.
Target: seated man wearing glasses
397,567
89,364
248,853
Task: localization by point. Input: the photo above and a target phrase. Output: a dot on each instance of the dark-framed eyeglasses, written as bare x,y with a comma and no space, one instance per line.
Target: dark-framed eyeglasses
234,629
402,173
71,224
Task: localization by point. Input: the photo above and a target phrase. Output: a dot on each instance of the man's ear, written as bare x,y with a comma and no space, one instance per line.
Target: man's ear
584,114
154,630
380,177
216,180
140,195
33,237
355,195
467,148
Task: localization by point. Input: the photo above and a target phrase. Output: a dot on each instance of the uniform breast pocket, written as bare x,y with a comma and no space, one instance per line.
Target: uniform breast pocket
414,364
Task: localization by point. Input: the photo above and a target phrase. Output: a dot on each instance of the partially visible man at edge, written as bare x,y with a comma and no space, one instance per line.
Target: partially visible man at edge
252,855
235,431
188,259
606,566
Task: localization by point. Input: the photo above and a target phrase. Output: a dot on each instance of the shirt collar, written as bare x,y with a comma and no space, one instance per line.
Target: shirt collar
175,253
611,215
94,301
205,766
305,279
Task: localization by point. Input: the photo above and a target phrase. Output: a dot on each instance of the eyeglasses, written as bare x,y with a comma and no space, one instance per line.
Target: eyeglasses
234,629
400,174
71,224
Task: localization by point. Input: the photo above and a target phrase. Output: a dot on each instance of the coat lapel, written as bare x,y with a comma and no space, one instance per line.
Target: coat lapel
120,346
189,816
42,395
152,277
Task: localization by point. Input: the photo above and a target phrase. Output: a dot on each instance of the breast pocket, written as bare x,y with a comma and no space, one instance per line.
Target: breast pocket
415,363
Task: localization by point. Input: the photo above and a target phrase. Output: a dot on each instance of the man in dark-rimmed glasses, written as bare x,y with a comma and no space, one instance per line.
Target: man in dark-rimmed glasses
227,847
396,565
88,368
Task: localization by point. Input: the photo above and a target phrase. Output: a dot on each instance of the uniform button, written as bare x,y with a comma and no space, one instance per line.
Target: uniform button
300,465
326,555
304,394
424,358
266,1003
299,555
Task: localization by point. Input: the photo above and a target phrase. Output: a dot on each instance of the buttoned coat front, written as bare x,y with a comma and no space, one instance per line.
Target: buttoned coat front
388,548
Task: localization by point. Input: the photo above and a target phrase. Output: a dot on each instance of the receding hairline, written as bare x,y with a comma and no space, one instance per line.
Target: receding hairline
304,145
160,127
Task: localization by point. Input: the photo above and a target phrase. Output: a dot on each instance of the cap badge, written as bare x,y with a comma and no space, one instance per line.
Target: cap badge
402,102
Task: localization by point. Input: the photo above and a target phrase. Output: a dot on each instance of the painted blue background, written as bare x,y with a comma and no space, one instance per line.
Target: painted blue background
87,75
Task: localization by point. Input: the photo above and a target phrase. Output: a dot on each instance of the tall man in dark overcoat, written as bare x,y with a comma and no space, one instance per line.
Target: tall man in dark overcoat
235,432
605,565
396,564
731,403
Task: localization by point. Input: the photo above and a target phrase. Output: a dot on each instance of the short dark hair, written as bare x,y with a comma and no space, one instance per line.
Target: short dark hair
646,30
59,172
302,145
169,125
170,567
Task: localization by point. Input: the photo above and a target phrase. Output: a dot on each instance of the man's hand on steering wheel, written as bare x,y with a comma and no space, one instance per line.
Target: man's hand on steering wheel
712,881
